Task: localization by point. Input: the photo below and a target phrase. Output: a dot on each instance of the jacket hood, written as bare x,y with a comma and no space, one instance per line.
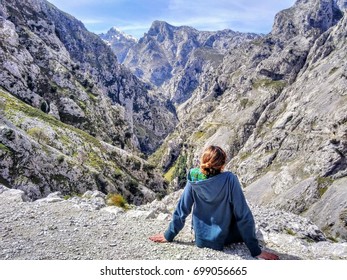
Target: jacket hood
212,189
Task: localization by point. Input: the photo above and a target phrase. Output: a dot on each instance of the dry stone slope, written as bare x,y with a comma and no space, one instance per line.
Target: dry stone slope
85,228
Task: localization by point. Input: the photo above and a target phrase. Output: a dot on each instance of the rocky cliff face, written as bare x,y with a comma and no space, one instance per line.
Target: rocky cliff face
277,106
52,62
40,155
71,117
177,59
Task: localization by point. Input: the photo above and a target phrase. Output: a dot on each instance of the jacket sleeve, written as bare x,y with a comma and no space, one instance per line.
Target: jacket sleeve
183,209
244,218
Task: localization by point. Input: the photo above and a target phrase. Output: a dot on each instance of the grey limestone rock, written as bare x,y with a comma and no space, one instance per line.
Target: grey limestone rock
277,106
176,58
60,63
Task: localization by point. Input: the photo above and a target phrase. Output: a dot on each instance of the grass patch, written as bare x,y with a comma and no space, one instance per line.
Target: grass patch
245,102
68,196
290,232
117,173
323,184
333,239
198,134
4,148
155,158
94,160
322,191
169,176
117,200
245,155
39,134
258,42
82,105
277,86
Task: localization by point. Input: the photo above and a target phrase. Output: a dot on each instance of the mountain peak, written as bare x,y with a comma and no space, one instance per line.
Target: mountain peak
304,18
116,34
161,27
159,23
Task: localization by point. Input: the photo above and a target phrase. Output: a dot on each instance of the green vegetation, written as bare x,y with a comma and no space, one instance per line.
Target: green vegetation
156,157
322,191
245,155
324,181
277,86
169,175
36,180
333,70
59,178
15,105
181,169
61,158
290,231
132,185
134,163
4,148
118,173
148,167
245,102
2,105
323,184
258,42
68,138
74,194
117,200
82,105
198,134
333,239
141,131
92,97
39,134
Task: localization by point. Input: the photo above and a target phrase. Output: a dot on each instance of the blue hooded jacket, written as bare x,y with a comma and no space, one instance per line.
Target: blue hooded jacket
218,203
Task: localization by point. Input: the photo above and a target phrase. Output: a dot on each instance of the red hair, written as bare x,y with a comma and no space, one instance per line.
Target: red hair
212,160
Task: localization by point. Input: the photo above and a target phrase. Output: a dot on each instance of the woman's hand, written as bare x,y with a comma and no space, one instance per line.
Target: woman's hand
158,238
267,256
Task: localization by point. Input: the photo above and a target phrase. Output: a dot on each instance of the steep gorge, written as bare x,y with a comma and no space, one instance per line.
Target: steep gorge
73,119
277,105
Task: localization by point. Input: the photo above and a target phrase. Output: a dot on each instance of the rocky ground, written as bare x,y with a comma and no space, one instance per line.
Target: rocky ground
86,228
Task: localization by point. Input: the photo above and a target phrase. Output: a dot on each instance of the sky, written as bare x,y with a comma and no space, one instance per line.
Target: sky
135,17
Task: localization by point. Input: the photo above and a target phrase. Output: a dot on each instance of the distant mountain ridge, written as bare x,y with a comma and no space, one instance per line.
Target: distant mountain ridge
176,58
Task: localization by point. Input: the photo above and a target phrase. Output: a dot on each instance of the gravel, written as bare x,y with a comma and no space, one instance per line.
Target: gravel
86,229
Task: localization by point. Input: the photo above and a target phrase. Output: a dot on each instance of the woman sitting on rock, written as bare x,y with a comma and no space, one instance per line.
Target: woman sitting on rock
220,215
